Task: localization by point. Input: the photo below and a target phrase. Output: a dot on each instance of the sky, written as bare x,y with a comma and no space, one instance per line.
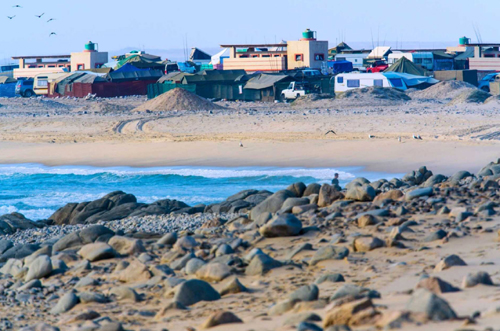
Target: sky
166,26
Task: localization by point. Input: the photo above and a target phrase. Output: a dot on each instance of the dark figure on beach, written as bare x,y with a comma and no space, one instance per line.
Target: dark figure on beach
335,182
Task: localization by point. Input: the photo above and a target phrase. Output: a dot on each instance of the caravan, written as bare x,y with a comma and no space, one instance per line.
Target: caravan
345,82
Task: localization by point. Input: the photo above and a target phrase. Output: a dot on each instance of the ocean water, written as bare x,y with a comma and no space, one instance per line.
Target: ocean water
37,191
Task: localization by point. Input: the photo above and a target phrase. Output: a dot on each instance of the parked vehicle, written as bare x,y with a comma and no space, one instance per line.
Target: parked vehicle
377,66
171,67
484,84
24,88
311,72
337,67
297,89
41,82
345,82
356,59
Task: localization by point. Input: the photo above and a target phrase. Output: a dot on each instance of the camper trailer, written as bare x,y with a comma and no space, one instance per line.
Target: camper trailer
345,82
41,82
423,59
355,59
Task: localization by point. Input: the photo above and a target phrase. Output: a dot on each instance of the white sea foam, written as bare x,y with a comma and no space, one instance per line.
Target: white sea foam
317,173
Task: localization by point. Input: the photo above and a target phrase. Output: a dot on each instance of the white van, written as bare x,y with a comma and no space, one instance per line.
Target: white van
350,81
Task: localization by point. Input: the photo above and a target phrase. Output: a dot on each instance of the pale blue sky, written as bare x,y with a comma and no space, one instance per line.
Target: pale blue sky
164,24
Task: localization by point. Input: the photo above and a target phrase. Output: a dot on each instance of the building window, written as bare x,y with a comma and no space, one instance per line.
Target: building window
243,56
31,66
266,55
41,66
353,83
340,80
378,82
277,55
319,57
255,55
52,66
80,66
299,57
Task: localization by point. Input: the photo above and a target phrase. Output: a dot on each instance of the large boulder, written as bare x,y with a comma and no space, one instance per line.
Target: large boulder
220,318
66,303
366,244
305,293
297,188
194,290
417,177
360,181
213,272
312,189
361,193
284,225
328,194
272,204
434,179
11,223
436,285
351,313
293,202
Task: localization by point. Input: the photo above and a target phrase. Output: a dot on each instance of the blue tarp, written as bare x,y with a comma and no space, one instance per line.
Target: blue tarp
340,66
410,80
8,90
129,68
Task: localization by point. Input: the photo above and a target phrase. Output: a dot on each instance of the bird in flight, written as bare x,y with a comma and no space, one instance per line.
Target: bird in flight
11,17
52,34
40,16
50,20
330,131
17,6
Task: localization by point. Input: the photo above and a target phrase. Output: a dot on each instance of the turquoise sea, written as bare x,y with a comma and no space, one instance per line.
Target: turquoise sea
37,191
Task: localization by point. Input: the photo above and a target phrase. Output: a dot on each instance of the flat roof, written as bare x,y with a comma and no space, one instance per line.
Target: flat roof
254,45
419,50
483,45
41,57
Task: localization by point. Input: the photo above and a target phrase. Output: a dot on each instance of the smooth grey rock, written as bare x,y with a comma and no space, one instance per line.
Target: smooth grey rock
476,278
261,264
39,268
355,291
168,239
284,225
124,293
419,192
193,265
305,293
435,308
192,291
272,203
97,251
361,193
329,253
89,297
66,303
436,235
332,278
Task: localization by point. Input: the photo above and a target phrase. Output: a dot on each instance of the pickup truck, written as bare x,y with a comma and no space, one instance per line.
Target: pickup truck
377,66
296,90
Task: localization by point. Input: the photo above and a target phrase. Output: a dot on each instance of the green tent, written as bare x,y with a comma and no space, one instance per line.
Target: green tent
403,65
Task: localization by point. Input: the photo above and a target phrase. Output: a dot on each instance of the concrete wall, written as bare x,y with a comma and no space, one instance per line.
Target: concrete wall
88,59
256,64
30,73
469,76
308,49
484,64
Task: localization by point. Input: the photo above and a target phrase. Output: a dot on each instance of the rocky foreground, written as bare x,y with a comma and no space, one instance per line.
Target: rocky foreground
419,252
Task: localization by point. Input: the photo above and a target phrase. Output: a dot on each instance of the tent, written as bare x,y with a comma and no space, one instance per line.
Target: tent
142,61
7,80
129,68
412,81
199,56
266,87
403,65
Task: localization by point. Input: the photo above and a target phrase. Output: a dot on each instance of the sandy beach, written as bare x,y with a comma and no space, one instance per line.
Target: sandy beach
108,133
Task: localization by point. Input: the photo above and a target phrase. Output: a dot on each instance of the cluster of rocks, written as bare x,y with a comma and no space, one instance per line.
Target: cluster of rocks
272,259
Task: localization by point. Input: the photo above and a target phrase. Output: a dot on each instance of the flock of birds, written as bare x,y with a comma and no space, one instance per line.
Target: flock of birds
370,136
39,16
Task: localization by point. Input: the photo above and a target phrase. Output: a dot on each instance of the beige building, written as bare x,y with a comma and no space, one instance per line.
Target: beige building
90,58
307,52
